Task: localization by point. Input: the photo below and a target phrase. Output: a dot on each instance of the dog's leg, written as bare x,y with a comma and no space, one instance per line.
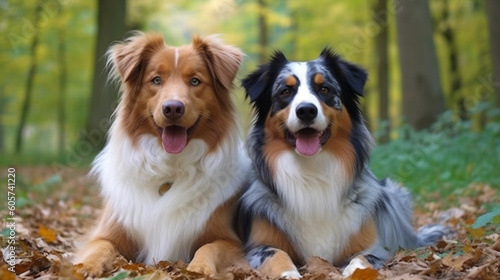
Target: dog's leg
358,262
108,242
273,262
96,258
213,258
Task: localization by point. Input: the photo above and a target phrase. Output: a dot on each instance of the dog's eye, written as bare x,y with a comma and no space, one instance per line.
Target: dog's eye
156,80
286,92
195,81
324,90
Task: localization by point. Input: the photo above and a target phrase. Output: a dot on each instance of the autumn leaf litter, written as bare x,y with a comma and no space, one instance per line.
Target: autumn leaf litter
50,228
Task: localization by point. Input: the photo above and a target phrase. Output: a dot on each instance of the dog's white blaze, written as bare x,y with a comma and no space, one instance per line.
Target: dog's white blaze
176,56
313,190
166,226
304,95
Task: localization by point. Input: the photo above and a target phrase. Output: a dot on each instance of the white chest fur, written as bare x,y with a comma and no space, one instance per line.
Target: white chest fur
165,226
319,217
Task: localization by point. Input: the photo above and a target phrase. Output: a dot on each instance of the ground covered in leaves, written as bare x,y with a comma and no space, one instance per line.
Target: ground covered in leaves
55,210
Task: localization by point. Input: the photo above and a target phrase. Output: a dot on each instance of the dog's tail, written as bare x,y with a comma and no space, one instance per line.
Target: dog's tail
430,234
394,216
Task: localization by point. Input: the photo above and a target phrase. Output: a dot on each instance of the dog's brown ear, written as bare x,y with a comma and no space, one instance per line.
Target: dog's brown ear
223,60
127,60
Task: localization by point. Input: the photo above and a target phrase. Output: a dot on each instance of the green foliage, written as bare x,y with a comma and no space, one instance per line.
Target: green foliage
443,159
490,217
120,276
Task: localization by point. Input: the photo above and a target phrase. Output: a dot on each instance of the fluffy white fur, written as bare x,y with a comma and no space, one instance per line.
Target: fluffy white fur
165,226
317,209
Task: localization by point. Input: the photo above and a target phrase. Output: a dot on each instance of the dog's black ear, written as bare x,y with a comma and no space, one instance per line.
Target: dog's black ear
258,81
355,77
255,82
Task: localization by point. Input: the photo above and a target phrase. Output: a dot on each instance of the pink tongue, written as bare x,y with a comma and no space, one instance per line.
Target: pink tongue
174,139
307,142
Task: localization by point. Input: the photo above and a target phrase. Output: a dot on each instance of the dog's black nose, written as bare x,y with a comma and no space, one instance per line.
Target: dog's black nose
173,109
306,112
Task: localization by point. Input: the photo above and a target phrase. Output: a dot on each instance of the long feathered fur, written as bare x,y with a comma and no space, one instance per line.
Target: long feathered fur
312,201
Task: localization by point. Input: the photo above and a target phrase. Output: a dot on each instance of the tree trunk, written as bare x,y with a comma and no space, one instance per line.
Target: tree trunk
295,33
3,101
30,80
423,99
263,37
493,12
455,81
381,55
61,115
111,27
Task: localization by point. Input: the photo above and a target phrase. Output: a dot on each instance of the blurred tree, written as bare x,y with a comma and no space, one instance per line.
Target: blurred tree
63,77
263,28
111,27
382,73
445,27
423,100
30,79
3,101
493,13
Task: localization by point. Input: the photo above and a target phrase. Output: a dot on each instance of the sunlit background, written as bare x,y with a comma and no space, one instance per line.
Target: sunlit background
48,53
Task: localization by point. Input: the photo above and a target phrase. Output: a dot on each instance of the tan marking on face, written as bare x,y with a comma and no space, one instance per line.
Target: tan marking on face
319,79
275,142
339,143
291,81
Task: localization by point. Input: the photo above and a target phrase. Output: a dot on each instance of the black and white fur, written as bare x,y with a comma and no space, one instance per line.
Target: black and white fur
312,200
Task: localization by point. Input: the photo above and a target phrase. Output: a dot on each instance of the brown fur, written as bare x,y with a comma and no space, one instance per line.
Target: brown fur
147,56
107,242
264,233
319,79
137,62
275,265
219,247
291,81
275,137
360,241
339,143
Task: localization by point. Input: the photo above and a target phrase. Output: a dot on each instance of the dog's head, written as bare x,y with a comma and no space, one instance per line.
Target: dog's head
309,106
176,93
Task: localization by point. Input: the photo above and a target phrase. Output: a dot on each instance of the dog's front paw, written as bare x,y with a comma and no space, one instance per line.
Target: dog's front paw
359,262
91,269
202,267
291,274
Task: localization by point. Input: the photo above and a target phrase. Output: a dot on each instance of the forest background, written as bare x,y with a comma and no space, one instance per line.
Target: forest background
432,99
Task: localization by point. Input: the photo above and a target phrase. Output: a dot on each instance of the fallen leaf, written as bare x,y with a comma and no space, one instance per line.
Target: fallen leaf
47,234
364,274
6,273
496,245
405,276
318,266
457,262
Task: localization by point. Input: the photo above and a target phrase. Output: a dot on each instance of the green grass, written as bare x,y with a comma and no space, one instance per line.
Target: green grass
444,159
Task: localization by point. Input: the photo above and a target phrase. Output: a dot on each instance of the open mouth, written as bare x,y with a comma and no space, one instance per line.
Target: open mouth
307,141
174,138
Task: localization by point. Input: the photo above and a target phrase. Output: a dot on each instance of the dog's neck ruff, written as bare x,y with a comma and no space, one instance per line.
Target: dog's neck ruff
166,226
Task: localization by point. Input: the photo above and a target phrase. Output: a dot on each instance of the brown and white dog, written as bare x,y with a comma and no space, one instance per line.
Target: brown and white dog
172,169
312,193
